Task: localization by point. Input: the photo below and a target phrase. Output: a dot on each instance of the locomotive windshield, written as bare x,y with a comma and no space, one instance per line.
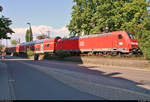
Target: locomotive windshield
131,36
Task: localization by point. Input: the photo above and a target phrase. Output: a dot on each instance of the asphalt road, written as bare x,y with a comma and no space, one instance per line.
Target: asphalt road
22,82
23,79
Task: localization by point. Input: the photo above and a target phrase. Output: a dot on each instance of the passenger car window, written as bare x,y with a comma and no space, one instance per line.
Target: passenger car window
119,36
46,45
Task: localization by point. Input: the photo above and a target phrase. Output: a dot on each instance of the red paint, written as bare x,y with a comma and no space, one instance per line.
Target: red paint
113,40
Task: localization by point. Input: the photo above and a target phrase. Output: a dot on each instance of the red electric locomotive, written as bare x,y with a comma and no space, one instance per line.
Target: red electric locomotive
114,42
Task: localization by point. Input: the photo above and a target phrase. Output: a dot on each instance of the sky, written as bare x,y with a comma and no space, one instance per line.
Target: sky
44,15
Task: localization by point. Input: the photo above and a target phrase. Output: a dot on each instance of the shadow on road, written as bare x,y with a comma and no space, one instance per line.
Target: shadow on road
94,76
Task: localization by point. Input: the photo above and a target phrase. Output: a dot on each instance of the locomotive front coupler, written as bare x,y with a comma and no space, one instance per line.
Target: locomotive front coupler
136,51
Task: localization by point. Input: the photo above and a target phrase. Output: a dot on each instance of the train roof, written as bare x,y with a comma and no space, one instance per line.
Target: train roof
87,36
49,39
33,42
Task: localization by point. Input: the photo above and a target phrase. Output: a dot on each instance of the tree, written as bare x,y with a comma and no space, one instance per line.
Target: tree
29,36
1,8
83,17
4,26
92,16
14,42
144,38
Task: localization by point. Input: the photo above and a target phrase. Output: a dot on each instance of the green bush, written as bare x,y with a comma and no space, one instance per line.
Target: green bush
146,52
62,54
144,44
30,52
47,55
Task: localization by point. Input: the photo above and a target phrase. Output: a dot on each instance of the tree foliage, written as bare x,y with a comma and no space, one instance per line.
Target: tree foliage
4,26
30,52
14,42
1,8
29,35
93,16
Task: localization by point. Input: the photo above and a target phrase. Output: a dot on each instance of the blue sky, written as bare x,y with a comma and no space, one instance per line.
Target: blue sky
55,13
44,15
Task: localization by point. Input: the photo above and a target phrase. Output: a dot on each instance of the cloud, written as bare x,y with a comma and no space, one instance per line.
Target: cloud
38,30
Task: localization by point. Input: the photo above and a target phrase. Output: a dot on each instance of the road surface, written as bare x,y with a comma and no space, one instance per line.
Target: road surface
22,82
23,79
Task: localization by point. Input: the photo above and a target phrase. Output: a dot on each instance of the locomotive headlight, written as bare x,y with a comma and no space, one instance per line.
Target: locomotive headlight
120,43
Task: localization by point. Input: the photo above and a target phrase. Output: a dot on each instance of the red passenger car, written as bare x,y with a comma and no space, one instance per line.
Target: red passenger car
38,47
11,49
49,45
20,48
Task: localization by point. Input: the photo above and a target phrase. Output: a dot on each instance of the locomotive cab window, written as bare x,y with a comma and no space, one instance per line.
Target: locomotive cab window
131,36
120,36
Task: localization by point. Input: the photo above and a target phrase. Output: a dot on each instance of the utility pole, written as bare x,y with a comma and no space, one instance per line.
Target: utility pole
0,42
48,33
6,42
19,40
